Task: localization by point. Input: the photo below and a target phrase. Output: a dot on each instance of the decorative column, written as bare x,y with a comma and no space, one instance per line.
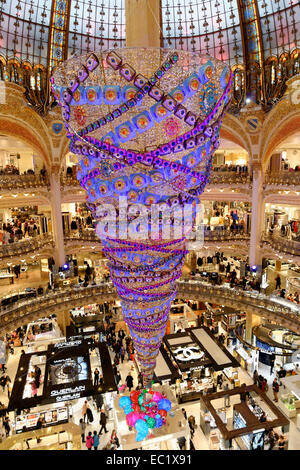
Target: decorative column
57,226
252,320
63,320
255,256
143,23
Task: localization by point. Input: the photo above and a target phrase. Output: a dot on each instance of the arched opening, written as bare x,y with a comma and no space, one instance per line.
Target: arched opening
284,137
19,158
230,156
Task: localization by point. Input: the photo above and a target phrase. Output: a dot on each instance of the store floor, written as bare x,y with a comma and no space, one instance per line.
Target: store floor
193,408
31,277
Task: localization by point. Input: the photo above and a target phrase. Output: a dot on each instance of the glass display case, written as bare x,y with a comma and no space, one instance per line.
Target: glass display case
190,390
289,404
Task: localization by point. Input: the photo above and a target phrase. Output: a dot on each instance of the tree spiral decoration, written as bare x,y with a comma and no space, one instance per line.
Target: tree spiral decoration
145,124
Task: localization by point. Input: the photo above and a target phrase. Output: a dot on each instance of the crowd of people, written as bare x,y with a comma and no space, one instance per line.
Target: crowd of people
18,229
13,170
122,347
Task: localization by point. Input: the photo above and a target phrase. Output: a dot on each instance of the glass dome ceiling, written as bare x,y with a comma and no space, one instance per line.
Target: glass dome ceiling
46,31
258,38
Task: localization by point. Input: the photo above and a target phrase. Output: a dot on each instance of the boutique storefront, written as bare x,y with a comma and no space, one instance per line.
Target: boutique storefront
198,356
242,418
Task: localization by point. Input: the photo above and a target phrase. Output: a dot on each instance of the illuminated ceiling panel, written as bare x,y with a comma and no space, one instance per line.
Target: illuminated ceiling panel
96,25
280,24
24,29
208,26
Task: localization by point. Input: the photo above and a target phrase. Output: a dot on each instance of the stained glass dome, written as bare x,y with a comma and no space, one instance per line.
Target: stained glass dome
259,39
221,28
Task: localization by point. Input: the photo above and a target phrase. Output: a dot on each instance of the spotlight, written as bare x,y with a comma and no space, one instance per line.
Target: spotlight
254,268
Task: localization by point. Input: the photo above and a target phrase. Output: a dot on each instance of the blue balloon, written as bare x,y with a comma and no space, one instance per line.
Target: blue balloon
124,402
158,421
164,404
142,428
128,410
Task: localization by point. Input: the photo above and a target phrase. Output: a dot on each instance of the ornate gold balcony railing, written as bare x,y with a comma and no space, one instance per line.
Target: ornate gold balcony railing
225,235
13,182
273,309
26,245
229,177
281,243
284,178
69,181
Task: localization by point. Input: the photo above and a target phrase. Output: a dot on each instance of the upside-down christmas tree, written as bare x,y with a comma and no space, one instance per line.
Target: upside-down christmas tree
144,123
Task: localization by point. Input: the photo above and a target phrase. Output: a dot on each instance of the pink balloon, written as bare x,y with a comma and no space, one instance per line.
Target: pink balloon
132,418
156,396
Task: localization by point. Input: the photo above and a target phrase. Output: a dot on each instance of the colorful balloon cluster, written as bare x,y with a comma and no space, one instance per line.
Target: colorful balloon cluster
145,410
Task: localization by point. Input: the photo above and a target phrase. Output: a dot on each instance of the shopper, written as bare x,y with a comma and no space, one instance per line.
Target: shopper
275,387
37,376
114,439
6,426
181,442
103,421
89,441
96,440
129,381
281,442
192,425
227,396
4,380
122,354
272,439
244,394
263,418
184,413
82,425
219,380
96,377
278,282
118,378
255,377
84,410
272,361
281,374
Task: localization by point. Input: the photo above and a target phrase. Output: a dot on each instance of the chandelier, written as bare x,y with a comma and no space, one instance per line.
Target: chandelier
144,123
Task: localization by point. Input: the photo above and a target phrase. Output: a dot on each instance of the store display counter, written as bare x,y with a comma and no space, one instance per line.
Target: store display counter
243,357
6,279
298,422
287,404
62,437
232,375
195,390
